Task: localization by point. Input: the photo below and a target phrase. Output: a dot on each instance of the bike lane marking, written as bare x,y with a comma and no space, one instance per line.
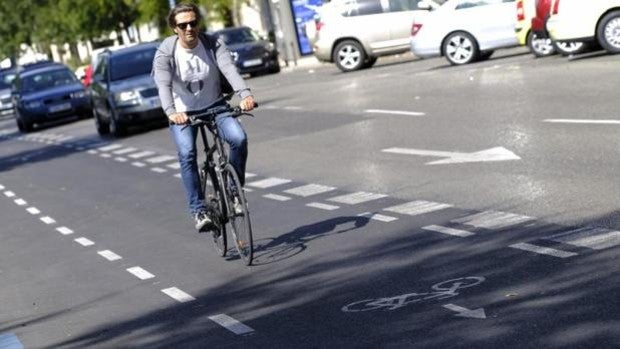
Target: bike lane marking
322,206
269,182
309,190
417,207
140,273
231,324
109,255
448,231
356,198
377,217
543,250
84,241
178,295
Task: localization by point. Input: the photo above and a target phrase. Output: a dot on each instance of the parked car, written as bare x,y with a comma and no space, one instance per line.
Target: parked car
353,33
539,46
123,91
465,30
251,53
6,83
591,21
539,39
48,92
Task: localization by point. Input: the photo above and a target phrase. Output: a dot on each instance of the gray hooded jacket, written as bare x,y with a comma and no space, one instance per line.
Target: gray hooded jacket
164,70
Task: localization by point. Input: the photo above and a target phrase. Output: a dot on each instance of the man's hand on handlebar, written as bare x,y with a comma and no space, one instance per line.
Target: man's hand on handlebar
247,103
178,118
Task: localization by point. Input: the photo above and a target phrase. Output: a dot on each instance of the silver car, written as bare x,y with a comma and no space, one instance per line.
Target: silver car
6,103
353,33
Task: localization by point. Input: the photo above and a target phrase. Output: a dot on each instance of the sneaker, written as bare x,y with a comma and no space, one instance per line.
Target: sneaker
203,222
237,206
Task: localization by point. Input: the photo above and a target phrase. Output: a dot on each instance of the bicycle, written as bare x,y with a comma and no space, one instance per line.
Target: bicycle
220,183
443,290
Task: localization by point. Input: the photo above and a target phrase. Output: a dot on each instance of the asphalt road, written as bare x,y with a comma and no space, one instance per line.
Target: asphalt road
412,205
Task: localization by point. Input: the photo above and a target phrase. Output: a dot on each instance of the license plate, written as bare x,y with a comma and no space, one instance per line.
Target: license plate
252,62
59,107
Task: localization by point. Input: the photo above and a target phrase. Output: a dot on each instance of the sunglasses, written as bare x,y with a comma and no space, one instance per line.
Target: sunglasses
183,26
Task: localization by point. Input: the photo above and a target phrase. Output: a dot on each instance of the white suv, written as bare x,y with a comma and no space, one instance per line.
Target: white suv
580,20
353,33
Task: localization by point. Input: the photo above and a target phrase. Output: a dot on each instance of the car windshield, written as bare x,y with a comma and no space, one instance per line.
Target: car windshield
131,64
239,36
6,80
47,79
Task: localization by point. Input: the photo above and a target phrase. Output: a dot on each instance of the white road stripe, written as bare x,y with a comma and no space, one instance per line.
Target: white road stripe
141,154
250,175
449,231
124,150
178,295
159,170
105,155
356,198
394,112
417,207
160,159
594,238
140,273
177,175
47,220
138,164
231,324
378,217
269,182
276,197
120,159
2,187
20,202
323,206
543,250
9,194
91,151
84,241
110,147
64,230
174,166
109,255
584,121
493,219
309,190
33,210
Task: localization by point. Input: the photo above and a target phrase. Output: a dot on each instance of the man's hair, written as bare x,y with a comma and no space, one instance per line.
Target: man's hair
180,8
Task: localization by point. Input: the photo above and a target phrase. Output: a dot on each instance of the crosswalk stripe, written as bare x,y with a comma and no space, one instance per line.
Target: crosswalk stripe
159,170
109,255
140,273
543,250
110,147
160,159
417,207
269,182
231,324
356,198
323,206
142,154
124,150
448,231
84,241
277,197
594,238
493,219
174,166
309,190
178,295
377,217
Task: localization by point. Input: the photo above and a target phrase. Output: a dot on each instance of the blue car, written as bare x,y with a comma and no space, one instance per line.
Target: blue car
48,93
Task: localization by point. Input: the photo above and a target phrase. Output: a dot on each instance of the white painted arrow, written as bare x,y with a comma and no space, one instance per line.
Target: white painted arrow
464,312
492,154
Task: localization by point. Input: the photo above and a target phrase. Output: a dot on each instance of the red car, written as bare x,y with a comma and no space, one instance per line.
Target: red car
539,30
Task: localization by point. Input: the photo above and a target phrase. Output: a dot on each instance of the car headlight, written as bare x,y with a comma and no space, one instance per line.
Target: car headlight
127,97
78,94
33,104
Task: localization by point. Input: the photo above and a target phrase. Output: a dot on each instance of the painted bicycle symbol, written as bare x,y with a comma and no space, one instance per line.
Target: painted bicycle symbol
442,290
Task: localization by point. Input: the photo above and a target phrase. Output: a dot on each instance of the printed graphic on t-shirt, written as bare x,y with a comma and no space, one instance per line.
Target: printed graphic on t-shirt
191,90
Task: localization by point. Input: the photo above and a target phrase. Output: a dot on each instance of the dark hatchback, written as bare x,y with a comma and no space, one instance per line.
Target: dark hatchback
48,93
123,91
252,54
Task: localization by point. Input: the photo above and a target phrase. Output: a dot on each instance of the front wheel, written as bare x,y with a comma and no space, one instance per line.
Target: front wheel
103,128
214,199
460,48
608,32
349,55
22,125
238,214
569,48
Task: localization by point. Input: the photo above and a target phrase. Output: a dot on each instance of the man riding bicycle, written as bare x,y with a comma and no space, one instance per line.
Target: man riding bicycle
189,70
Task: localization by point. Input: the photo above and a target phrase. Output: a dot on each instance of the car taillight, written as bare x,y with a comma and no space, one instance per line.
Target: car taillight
520,11
556,6
415,28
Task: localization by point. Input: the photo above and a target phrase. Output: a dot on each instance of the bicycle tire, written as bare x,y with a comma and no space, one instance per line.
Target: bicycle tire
240,222
214,197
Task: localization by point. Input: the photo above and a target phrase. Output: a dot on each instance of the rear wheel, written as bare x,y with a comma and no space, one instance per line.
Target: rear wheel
569,48
215,201
460,48
349,55
540,47
608,32
483,56
22,125
103,128
239,221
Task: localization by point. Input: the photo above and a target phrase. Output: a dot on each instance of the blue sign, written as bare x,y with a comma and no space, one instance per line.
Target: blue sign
304,11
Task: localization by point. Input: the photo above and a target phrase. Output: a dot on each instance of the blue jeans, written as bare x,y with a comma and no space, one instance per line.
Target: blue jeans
231,132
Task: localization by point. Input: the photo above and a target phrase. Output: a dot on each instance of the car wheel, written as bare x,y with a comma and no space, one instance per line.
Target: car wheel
117,129
349,55
540,47
608,32
103,128
460,48
569,48
369,62
275,69
23,126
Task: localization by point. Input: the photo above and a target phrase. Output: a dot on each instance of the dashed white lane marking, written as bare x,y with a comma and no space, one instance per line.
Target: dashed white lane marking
323,206
84,241
64,230
105,155
142,154
110,147
9,194
174,166
292,107
177,175
309,190
109,255
33,210
120,159
584,121
269,182
124,151
140,273
493,219
91,151
378,217
160,159
138,164
2,187
594,238
418,207
543,250
20,202
231,324
250,175
159,170
356,198
394,112
178,295
449,231
47,220
277,197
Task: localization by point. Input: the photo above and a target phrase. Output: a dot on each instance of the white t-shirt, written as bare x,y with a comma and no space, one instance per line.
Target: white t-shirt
189,89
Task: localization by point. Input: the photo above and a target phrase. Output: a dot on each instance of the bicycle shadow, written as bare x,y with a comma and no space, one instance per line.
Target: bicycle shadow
271,250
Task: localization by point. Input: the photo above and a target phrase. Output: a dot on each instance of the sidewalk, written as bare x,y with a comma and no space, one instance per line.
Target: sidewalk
307,62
